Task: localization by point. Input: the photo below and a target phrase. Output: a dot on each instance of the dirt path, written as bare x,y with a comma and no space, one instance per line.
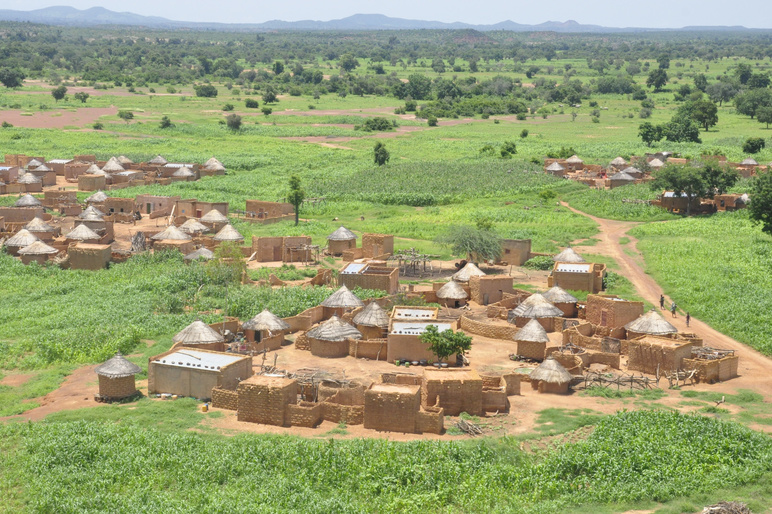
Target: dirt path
754,367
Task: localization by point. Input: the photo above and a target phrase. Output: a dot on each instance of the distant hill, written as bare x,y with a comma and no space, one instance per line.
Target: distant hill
95,16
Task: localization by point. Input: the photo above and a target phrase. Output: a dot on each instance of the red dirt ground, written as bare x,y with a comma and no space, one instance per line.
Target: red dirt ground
58,118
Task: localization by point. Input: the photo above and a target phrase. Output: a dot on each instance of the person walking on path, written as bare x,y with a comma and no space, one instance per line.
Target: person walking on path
688,319
662,301
673,309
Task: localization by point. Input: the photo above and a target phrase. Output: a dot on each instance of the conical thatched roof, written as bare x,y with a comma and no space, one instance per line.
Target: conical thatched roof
334,330
92,214
193,226
559,295
618,162
183,172
574,159
34,163
568,255
95,170
632,171
82,233
536,306
228,233
214,216
342,234
113,166
452,291
42,167
124,160
28,178
651,323
343,298
201,253
117,367
27,201
555,166
372,316
622,175
266,320
656,163
198,332
532,332
749,162
38,225
38,248
467,272
551,371
158,161
171,233
214,165
22,239
98,197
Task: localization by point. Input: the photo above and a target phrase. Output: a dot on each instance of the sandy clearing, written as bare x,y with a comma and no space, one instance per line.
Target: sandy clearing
58,118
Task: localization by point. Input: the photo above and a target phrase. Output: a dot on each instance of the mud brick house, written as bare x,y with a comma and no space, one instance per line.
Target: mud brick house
188,372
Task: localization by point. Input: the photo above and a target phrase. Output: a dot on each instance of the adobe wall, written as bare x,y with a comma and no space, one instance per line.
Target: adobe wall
456,391
328,349
711,371
410,347
184,247
52,199
225,399
383,282
490,288
263,248
547,388
430,420
352,254
573,281
392,407
486,329
40,259
401,378
646,355
512,383
532,350
91,182
20,214
375,245
515,252
89,256
304,414
371,332
306,319
372,349
116,388
125,205
269,209
265,400
181,381
617,313
338,247
347,405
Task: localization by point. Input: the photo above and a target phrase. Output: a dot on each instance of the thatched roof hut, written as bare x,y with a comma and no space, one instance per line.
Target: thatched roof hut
214,216
551,372
656,163
532,332
622,176
228,233
194,227
42,167
555,167
21,239
568,255
342,234
124,160
198,333
749,162
467,272
574,159
201,253
651,323
38,248
452,291
27,201
113,166
343,299
82,233
183,172
618,162
98,197
91,214
28,178
334,330
38,225
372,316
266,321
633,172
117,367
559,295
158,161
214,165
171,233
34,163
95,170
535,306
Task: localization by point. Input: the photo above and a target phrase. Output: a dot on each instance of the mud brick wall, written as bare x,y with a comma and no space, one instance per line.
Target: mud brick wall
305,414
301,343
707,371
486,329
532,350
347,405
645,356
372,333
430,420
573,363
352,254
392,408
495,400
512,383
328,349
515,251
455,392
306,319
225,399
609,359
265,400
117,387
401,378
374,245
374,349
338,247
608,312
20,214
727,367
490,289
90,257
388,283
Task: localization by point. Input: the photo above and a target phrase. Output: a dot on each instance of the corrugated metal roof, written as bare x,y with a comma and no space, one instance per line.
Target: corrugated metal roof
573,267
199,360
416,329
408,313
354,268
59,161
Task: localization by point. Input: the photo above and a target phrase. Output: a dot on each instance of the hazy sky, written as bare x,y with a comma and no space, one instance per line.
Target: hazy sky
619,13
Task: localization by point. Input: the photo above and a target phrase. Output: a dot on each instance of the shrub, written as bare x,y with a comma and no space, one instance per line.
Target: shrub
377,125
754,145
233,121
98,125
227,107
524,134
7,125
540,262
205,91
431,121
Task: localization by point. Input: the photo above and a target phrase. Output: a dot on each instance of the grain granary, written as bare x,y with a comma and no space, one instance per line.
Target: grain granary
38,252
193,227
200,254
330,339
171,233
42,230
228,234
555,169
650,323
535,307
341,240
550,377
563,300
116,379
82,233
452,295
340,302
618,163
465,274
194,372
215,220
620,179
372,321
266,330
568,255
158,161
199,335
28,201
532,341
19,240
99,197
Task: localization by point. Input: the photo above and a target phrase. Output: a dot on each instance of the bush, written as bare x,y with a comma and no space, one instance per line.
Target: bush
508,149
205,91
267,110
233,121
98,125
540,262
521,116
7,125
431,121
644,113
524,134
410,105
754,145
227,107
377,125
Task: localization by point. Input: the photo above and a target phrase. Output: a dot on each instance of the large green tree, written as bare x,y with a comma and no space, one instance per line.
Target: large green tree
381,154
761,201
705,113
764,115
650,133
296,196
475,244
750,101
59,93
657,79
695,182
12,77
446,343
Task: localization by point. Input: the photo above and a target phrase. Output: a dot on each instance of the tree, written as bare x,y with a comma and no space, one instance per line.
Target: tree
269,96
473,243
348,62
743,72
234,122
721,92
81,95
126,116
701,82
681,180
761,201
758,81
718,179
681,130
12,77
650,133
59,93
705,113
764,115
165,123
657,79
754,145
748,103
205,91
228,265
278,67
251,103
296,196
663,60
446,343
380,154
